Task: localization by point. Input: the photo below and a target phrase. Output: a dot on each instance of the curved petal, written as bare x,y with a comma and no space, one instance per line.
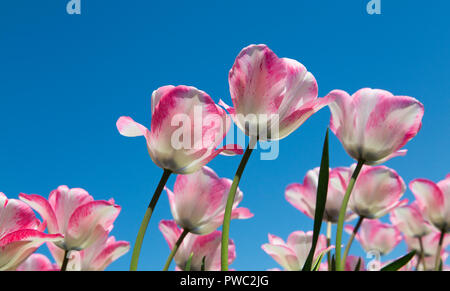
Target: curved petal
16,215
128,127
109,254
431,200
37,262
377,191
88,222
45,210
15,247
283,256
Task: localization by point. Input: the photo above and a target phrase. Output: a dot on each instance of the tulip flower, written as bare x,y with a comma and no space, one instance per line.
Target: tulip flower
409,220
350,264
205,249
377,191
279,92
292,255
434,201
96,257
428,246
37,262
372,125
75,214
186,129
303,196
21,233
272,97
375,236
198,201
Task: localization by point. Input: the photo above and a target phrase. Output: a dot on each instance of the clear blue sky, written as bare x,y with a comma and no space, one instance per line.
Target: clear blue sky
65,79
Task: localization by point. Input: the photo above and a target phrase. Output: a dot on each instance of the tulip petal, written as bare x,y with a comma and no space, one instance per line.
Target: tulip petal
43,207
88,221
128,127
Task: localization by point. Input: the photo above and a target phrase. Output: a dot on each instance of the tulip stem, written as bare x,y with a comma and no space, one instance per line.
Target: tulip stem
438,252
146,220
342,214
352,237
421,255
175,249
329,230
230,202
65,260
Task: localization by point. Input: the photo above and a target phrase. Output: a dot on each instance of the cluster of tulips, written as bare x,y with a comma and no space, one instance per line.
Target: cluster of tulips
271,97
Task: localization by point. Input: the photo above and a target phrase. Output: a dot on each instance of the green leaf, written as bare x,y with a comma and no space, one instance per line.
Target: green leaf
358,265
398,264
333,263
189,262
318,262
322,190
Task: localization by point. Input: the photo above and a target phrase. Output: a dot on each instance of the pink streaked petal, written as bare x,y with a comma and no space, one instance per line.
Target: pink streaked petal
399,153
283,256
170,231
37,262
257,80
275,240
87,220
16,215
128,127
158,94
64,201
431,200
17,246
109,254
43,207
241,213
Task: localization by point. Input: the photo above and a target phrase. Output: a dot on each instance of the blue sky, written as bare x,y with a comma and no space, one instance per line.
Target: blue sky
65,79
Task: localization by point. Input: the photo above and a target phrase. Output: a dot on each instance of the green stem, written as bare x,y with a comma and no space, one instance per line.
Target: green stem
175,249
421,255
230,202
65,261
438,252
146,220
352,237
329,225
342,213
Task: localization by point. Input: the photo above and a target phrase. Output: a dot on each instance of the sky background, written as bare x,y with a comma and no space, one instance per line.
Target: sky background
65,79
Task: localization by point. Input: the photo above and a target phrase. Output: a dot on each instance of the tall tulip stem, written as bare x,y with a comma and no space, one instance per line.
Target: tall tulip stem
329,231
421,255
438,252
175,249
146,220
65,260
352,237
230,202
340,226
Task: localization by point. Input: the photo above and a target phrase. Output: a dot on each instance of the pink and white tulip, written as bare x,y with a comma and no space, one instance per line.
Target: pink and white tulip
75,214
373,125
409,220
186,129
434,201
377,191
201,246
430,243
350,264
21,233
292,255
271,93
377,236
199,199
38,262
96,257
303,196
